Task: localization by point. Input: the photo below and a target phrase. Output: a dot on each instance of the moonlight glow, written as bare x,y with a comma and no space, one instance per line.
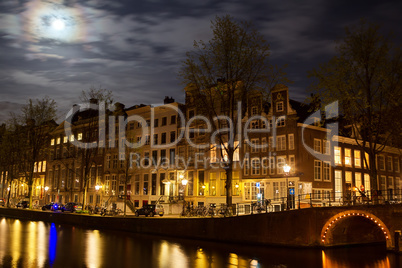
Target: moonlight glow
58,25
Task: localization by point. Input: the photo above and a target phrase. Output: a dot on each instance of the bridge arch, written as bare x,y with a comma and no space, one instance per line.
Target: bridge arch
329,224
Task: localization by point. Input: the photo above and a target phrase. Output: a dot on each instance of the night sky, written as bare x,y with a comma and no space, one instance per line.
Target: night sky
135,48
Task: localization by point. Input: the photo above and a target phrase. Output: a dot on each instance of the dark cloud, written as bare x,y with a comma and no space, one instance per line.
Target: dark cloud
135,48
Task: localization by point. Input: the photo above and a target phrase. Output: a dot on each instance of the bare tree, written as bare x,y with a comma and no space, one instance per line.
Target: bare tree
228,69
31,128
365,77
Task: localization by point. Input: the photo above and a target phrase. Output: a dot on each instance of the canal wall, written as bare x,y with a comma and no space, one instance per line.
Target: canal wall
294,228
258,229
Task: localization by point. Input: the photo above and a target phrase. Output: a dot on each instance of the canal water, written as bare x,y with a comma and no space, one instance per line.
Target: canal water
40,244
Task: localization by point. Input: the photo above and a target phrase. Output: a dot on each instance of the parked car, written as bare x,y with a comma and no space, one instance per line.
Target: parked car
150,210
2,202
23,204
47,206
56,206
72,207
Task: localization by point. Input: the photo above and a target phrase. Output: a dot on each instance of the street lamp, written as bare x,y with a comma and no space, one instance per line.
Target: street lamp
184,182
286,169
46,188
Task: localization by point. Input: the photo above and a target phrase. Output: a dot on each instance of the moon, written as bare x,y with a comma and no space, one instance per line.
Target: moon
58,24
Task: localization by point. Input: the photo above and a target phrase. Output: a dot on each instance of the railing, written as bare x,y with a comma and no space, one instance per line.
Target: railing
293,202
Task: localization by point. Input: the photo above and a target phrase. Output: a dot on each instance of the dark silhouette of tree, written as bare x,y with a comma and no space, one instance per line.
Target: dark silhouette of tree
228,69
365,77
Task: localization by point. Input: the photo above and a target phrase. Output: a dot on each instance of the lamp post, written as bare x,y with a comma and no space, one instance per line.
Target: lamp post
46,188
184,182
286,169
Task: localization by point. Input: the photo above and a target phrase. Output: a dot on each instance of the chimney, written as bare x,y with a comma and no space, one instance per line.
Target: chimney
168,100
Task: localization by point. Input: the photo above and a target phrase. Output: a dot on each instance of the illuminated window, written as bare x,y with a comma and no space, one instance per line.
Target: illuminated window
79,136
212,183
58,140
52,142
281,142
281,161
255,166
358,160
254,145
366,160
367,183
348,157
291,141
65,139
337,153
280,122
358,181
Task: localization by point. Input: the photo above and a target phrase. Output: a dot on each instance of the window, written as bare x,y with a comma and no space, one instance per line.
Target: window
291,141
271,144
163,138
172,156
190,185
212,183
396,164
389,163
58,140
280,122
115,161
161,184
52,142
79,136
317,170
156,122
172,136
292,163
383,184
235,184
381,162
271,165
173,119
146,184
317,145
155,139
327,171
254,145
358,181
254,110
255,166
326,147
358,160
338,184
113,186
265,165
65,139
337,153
281,142
366,160
246,166
279,106
164,121
398,185
367,187
153,184
264,145
72,138
213,154
348,157
281,161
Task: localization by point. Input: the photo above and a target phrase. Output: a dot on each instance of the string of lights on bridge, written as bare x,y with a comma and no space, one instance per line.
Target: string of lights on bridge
353,214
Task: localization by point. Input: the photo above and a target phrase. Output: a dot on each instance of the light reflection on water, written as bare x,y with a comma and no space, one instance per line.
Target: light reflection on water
39,244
